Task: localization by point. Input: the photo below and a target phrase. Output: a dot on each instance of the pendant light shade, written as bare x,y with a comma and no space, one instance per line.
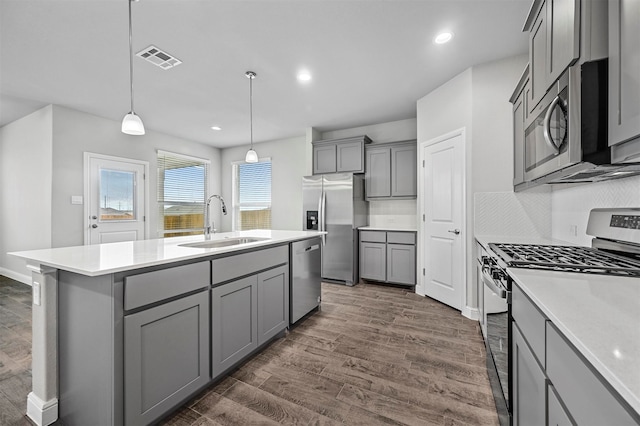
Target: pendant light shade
252,156
131,123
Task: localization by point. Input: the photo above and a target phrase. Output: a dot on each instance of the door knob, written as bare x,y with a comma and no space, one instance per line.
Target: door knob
454,231
94,226
94,217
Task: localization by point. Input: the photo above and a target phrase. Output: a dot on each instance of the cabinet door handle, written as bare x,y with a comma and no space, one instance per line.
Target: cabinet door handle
454,231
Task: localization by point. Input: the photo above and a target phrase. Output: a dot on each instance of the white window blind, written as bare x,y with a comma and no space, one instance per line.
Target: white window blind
182,190
252,196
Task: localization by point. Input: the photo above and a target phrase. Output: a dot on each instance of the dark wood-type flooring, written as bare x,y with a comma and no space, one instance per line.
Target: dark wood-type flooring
372,355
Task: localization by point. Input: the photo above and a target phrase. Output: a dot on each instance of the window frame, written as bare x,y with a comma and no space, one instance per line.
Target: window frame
235,192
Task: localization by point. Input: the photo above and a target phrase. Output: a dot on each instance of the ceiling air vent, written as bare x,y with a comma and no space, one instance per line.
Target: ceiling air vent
159,57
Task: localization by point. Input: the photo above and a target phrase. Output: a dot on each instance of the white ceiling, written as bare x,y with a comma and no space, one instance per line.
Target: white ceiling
370,60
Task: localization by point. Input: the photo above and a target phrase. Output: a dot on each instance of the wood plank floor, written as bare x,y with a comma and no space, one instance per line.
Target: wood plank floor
372,355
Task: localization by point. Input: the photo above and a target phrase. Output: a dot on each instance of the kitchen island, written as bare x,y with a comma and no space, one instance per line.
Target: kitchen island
123,333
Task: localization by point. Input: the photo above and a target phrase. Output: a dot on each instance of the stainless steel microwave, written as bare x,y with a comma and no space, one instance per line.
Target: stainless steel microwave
567,132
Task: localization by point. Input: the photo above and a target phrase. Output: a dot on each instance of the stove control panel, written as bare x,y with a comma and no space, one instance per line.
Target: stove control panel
625,221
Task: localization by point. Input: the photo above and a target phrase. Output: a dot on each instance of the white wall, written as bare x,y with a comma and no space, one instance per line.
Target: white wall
76,132
25,189
289,164
478,101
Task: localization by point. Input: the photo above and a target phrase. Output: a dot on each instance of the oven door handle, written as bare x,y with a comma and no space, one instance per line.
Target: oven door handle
488,281
547,126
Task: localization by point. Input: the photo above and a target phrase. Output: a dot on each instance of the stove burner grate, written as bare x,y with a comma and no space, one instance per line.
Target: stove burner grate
566,258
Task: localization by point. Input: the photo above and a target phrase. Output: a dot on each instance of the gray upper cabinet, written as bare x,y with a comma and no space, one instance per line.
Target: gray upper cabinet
554,43
391,170
166,356
339,155
234,323
624,70
520,114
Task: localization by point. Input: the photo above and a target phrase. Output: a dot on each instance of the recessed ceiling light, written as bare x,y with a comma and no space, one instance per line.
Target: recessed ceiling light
216,128
304,76
442,38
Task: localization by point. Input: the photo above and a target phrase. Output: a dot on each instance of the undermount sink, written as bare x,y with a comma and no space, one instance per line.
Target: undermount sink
224,243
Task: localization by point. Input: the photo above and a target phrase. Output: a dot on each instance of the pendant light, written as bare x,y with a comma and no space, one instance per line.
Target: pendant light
131,123
252,156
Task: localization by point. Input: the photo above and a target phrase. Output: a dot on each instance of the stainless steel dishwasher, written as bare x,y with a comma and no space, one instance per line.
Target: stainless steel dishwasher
306,264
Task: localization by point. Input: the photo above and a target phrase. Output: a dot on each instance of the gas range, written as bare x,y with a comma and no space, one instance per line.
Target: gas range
566,258
615,249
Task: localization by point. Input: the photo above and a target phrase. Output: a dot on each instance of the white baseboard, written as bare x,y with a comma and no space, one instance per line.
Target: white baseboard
43,413
26,279
471,313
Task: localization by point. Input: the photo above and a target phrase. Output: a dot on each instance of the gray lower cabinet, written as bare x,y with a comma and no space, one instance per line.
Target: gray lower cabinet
556,415
373,261
401,263
273,302
166,356
234,323
529,384
388,256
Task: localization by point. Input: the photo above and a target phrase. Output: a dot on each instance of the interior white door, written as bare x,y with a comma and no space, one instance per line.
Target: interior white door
443,186
116,200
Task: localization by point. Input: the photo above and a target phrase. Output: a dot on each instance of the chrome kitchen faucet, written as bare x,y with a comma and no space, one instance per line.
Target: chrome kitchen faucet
208,223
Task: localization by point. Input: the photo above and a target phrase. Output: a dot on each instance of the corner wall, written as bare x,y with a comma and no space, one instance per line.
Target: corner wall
25,190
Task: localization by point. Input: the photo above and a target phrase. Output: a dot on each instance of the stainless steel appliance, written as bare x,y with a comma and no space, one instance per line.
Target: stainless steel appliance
335,203
566,137
305,278
615,250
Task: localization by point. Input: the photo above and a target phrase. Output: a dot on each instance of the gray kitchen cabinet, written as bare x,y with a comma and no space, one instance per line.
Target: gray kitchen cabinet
324,159
339,155
520,114
234,323
273,302
373,261
529,384
554,43
391,171
388,256
401,263
556,414
587,399
378,172
624,70
166,356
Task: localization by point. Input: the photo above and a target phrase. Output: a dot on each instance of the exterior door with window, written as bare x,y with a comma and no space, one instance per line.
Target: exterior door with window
116,200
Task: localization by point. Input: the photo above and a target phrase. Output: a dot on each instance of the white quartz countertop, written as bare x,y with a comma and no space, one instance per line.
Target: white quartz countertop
599,315
101,259
387,228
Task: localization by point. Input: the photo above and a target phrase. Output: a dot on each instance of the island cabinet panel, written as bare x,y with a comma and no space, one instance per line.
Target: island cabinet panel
529,384
235,266
587,399
166,356
150,287
234,322
273,302
556,415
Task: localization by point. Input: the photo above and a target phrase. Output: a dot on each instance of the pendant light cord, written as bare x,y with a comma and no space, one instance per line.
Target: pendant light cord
131,55
251,76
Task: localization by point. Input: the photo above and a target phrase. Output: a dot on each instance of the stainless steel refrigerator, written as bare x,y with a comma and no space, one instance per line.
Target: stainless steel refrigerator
335,203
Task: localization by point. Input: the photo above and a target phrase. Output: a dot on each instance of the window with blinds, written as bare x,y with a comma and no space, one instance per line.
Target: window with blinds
252,195
182,192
